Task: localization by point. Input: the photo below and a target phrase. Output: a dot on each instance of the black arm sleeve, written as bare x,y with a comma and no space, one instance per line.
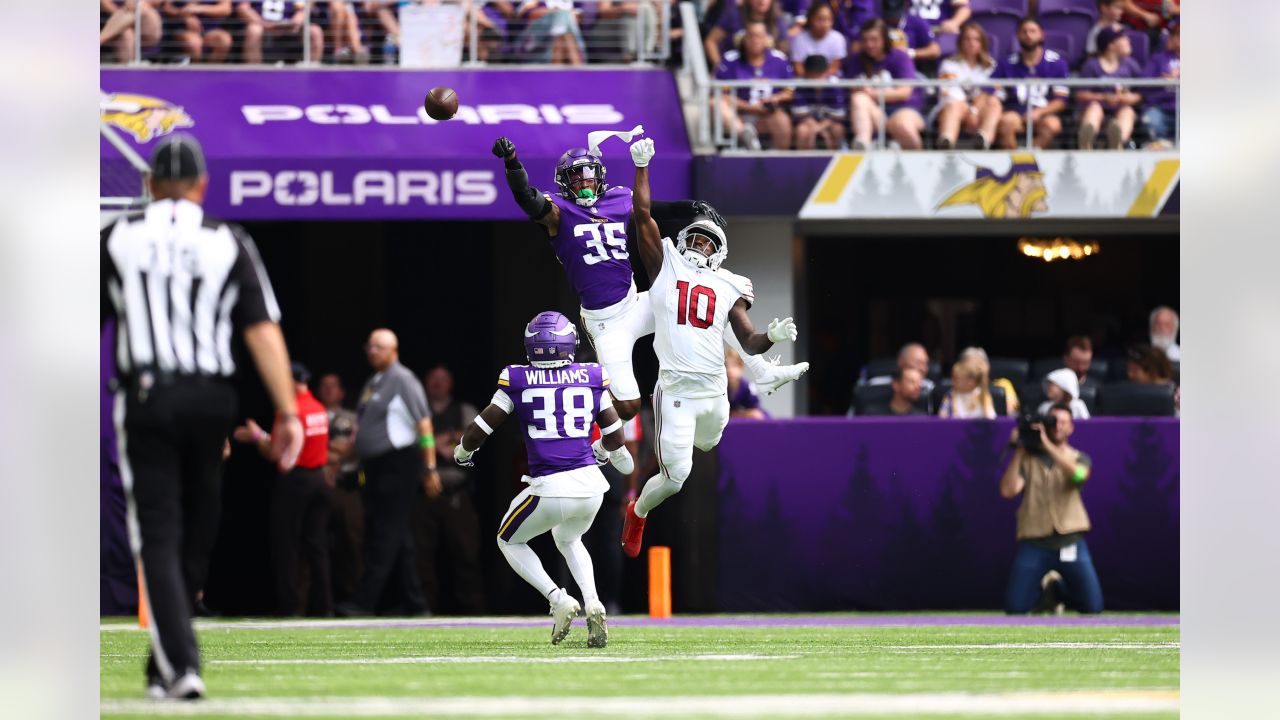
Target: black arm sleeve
676,211
257,301
528,198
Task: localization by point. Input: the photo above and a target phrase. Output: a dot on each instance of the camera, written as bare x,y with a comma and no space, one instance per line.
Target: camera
1029,435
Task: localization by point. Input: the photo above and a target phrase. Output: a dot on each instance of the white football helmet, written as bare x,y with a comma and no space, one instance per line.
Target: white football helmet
709,229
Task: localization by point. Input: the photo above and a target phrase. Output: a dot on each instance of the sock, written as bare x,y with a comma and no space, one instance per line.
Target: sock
525,562
579,561
658,488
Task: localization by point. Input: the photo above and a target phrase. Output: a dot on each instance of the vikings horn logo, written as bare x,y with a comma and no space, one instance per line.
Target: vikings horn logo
1016,194
145,118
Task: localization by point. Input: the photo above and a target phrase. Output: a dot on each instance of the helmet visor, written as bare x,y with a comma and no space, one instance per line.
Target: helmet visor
582,176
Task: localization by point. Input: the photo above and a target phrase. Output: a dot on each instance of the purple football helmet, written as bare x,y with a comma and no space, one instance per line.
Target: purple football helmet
550,340
580,164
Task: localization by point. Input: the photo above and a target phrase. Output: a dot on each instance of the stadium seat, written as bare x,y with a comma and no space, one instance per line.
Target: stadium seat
1141,43
1001,27
1068,7
947,42
865,396
1016,8
999,400
1130,399
1014,370
1089,394
1067,44
1031,394
883,367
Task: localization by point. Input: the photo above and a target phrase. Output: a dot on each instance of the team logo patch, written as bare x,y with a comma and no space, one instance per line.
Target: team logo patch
145,118
1016,194
676,403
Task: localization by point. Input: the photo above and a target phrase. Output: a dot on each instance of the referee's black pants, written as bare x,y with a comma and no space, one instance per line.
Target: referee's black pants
171,439
300,531
393,482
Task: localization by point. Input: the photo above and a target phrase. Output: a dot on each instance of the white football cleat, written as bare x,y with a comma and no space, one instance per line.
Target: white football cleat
187,687
597,625
563,612
156,691
775,375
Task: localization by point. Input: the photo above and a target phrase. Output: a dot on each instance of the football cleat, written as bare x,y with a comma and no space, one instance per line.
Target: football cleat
187,687
632,532
775,375
597,625
156,691
563,612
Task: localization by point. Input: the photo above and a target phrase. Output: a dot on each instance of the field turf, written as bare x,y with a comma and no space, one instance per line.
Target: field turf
866,666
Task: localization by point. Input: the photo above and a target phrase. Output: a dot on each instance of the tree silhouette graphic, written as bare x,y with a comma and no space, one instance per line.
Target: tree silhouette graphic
868,194
950,177
902,194
1070,196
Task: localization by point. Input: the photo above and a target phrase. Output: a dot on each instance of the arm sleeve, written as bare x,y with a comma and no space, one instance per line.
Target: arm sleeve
105,306
257,302
530,199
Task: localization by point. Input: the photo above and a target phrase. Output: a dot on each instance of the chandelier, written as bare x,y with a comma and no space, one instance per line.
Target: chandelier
1059,248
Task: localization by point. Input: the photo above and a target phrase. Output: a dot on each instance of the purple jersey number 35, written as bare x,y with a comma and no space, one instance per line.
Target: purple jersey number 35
615,234
564,412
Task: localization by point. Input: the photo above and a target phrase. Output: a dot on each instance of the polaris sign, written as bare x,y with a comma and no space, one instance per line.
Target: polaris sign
350,114
290,188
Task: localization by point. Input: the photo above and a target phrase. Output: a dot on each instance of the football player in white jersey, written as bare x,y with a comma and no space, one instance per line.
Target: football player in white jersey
694,302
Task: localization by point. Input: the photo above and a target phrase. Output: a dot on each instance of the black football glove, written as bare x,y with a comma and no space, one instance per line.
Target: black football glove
702,207
503,148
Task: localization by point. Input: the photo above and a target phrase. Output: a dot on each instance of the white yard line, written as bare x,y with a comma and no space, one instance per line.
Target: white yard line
1046,646
487,659
338,624
983,704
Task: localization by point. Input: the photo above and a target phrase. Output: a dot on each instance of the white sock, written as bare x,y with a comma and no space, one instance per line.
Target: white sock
525,562
657,489
579,561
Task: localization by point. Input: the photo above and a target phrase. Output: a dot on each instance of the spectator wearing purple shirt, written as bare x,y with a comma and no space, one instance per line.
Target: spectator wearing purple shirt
744,401
944,16
819,38
1114,105
733,22
1160,115
878,60
819,112
757,110
910,34
1031,61
849,14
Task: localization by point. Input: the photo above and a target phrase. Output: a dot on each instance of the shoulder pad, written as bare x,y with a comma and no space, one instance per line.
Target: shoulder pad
739,283
504,377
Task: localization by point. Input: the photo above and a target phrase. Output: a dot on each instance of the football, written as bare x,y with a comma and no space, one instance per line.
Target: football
441,103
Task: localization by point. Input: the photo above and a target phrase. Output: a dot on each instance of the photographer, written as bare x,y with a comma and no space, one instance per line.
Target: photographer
1052,556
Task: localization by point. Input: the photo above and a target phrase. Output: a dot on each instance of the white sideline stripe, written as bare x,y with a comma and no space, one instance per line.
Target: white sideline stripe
1047,646
986,704
372,623
483,659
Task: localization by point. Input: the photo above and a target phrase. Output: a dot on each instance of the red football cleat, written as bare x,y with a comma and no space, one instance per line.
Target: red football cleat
632,532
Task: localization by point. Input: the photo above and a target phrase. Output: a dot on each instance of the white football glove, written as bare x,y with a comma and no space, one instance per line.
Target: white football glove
620,458
783,330
462,456
642,152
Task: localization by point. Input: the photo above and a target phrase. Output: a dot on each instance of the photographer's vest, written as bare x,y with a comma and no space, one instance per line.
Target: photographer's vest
1050,501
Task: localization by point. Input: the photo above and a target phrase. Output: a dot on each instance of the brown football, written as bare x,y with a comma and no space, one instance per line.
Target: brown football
441,103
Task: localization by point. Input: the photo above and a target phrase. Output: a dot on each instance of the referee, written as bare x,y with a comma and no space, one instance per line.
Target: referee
178,283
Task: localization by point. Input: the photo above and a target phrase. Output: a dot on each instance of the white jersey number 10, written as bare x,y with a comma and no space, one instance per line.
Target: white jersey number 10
689,308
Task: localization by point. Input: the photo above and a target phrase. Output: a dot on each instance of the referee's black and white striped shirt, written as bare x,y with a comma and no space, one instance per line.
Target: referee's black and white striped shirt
178,284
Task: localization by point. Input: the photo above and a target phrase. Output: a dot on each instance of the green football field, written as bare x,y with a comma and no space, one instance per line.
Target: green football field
864,665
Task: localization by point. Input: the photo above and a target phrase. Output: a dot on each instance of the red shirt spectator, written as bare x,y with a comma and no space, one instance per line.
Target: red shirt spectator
315,430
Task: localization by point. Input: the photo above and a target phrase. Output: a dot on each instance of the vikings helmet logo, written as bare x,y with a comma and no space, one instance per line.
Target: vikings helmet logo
145,118
1016,194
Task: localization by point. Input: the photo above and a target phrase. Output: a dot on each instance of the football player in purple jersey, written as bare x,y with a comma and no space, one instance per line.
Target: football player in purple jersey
587,221
555,400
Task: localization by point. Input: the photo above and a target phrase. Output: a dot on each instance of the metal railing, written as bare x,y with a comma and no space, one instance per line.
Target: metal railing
714,132
388,32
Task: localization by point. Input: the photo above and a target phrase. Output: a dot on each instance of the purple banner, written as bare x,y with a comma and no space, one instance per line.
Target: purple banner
732,183
905,514
332,144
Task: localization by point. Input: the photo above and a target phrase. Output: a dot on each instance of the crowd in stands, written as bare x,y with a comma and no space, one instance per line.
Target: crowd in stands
1145,382
368,31
967,41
